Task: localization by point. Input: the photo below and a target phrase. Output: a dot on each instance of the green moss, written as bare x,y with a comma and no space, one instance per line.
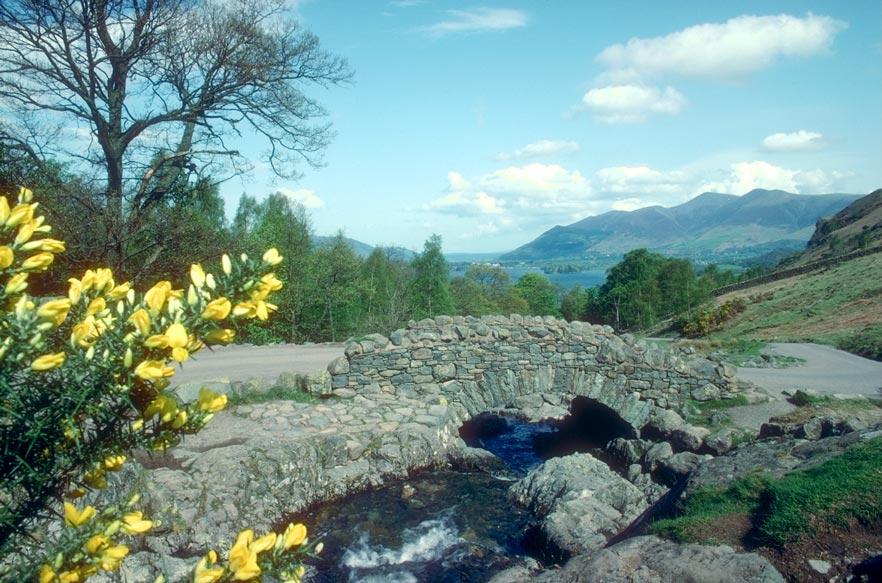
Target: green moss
701,412
296,391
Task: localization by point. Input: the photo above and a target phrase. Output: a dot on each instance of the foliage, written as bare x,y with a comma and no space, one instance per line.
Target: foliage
83,382
574,304
645,287
539,293
866,342
710,319
430,289
486,289
159,86
783,510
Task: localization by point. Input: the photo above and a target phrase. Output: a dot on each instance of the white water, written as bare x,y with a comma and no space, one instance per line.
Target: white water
428,541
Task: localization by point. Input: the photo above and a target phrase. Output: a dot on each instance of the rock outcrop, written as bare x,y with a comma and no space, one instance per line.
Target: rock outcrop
579,501
648,559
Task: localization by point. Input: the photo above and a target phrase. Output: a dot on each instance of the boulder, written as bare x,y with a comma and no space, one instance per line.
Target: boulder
580,501
649,559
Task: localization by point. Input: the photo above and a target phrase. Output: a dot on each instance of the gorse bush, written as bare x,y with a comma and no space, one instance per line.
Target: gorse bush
83,382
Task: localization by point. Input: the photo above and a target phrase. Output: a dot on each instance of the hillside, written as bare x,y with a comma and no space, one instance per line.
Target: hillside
857,226
710,223
840,305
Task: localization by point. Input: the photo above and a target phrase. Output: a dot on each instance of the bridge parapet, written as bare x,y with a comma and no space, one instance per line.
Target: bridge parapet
481,364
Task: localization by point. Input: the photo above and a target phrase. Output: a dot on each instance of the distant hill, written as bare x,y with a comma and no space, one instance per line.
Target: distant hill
857,226
363,249
758,222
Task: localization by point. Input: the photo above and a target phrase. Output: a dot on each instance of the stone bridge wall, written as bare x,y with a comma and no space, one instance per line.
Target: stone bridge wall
489,363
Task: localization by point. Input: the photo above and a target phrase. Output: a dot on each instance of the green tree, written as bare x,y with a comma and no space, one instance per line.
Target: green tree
539,293
430,290
278,222
331,310
574,305
630,296
383,287
160,85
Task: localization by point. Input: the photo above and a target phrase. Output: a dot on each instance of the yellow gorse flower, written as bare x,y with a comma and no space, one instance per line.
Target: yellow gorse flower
95,306
217,309
48,361
38,262
76,518
17,283
114,462
54,311
112,557
140,319
135,523
211,402
164,406
197,275
220,336
243,560
294,535
204,572
271,256
4,210
153,369
6,257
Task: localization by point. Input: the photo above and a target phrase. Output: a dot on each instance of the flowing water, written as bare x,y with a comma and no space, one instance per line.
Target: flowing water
442,526
449,526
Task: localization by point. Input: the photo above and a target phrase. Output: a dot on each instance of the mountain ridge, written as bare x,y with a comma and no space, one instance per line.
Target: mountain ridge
708,222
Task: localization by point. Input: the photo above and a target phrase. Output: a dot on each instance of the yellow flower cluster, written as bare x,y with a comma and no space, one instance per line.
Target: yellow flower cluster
99,551
105,330
244,560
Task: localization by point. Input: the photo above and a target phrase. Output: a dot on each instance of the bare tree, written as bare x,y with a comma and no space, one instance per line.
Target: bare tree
143,91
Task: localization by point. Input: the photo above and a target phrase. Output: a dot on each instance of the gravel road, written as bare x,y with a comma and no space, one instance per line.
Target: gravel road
826,370
238,363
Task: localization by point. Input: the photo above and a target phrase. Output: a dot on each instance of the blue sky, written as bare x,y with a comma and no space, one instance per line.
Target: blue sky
489,123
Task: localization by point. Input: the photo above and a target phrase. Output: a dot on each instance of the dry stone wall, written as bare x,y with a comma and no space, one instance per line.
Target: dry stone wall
489,363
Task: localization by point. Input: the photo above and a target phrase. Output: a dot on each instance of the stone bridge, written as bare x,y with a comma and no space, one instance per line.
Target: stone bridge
533,366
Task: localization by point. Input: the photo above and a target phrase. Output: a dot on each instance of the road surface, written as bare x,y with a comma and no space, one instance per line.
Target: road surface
239,363
826,370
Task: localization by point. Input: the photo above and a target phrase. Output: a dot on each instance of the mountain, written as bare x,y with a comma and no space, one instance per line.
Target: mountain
711,223
857,226
363,249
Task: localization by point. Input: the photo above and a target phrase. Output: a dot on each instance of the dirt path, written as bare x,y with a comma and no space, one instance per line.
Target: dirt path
238,363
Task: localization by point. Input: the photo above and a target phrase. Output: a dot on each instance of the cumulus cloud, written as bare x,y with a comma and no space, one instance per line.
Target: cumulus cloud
631,103
801,141
747,176
640,179
517,195
629,204
302,196
725,51
540,149
477,20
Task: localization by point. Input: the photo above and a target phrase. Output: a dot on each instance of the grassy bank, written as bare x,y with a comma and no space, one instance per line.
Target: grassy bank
841,306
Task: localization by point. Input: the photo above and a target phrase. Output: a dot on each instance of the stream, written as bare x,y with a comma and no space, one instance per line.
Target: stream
449,526
442,526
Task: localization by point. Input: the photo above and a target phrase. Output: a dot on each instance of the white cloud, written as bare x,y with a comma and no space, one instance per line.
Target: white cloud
540,149
629,204
640,179
478,20
302,196
631,103
517,195
729,51
801,141
747,176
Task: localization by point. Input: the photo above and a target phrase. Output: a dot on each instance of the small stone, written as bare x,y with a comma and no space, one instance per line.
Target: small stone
822,567
344,393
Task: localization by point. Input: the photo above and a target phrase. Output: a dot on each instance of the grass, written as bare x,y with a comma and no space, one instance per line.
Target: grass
841,306
832,495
